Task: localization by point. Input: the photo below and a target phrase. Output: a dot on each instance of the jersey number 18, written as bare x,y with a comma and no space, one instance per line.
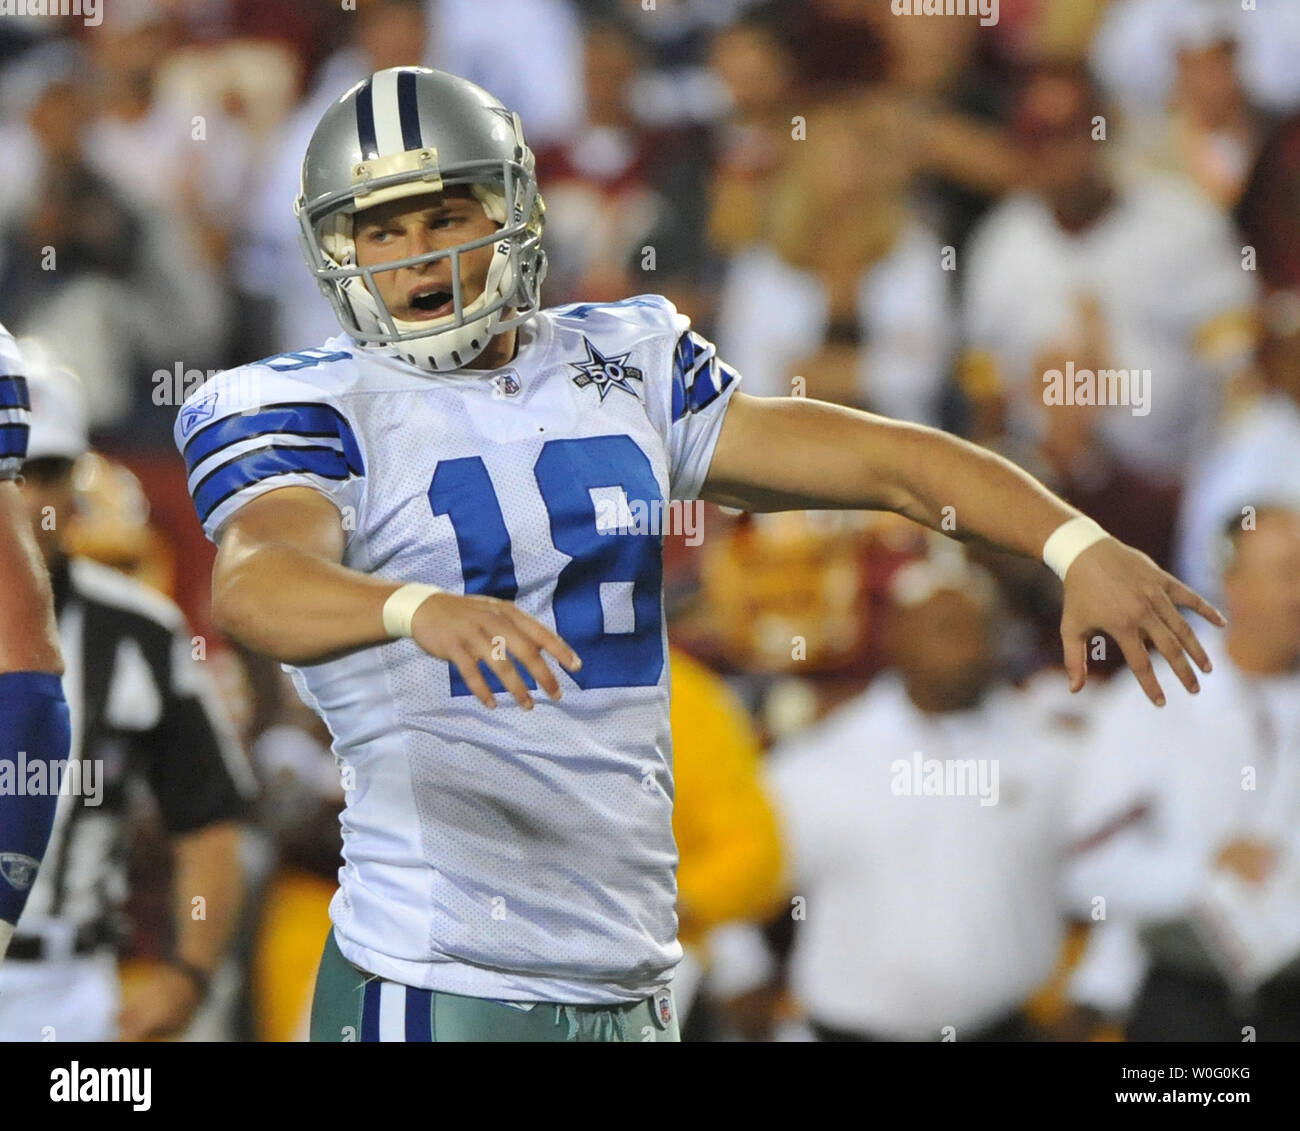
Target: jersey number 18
566,472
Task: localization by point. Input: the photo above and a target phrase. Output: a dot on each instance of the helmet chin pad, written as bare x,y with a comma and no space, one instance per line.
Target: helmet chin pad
437,344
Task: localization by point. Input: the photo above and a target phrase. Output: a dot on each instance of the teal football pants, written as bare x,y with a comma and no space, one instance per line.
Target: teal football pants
351,1005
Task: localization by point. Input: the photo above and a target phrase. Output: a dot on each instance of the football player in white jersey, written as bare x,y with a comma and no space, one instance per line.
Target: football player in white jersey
442,520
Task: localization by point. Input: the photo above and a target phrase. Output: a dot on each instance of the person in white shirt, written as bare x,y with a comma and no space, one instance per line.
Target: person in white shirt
1089,274
857,307
926,824
1208,126
1213,789
1255,458
1136,47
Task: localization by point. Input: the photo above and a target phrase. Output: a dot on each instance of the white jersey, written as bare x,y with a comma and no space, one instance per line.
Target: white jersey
503,854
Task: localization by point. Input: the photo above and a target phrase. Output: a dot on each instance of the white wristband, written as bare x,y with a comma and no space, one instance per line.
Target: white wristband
1068,541
400,608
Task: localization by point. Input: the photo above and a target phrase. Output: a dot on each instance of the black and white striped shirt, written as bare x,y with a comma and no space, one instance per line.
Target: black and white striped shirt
143,710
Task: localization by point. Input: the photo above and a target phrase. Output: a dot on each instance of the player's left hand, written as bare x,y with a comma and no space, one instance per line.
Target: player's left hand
1116,589
160,1004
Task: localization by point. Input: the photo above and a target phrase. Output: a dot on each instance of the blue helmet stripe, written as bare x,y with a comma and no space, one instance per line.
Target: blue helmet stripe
366,122
408,111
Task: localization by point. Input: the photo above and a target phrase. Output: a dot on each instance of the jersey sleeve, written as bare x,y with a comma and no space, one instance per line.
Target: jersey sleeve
693,402
15,409
253,430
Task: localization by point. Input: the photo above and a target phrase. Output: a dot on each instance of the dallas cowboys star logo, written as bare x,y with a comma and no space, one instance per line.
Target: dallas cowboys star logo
605,372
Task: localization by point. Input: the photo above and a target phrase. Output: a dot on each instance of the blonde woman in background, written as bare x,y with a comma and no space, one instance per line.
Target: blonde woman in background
846,288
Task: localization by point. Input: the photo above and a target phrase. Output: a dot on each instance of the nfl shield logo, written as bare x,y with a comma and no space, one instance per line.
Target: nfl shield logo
18,870
505,384
663,1008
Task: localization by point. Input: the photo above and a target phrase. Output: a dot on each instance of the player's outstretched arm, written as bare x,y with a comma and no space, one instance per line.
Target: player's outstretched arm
790,453
279,587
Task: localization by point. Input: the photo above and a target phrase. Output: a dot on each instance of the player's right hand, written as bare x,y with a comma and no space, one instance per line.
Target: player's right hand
464,630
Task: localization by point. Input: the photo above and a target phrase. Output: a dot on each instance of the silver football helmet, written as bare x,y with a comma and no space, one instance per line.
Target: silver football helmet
404,132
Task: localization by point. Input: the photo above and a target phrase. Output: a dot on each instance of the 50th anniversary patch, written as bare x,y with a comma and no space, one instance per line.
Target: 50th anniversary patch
605,372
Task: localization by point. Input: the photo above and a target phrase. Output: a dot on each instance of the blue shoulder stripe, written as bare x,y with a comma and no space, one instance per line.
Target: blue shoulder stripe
698,376
264,463
683,363
13,441
709,383
310,419
13,391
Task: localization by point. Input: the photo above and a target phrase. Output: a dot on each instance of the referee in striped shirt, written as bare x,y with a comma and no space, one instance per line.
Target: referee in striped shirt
143,711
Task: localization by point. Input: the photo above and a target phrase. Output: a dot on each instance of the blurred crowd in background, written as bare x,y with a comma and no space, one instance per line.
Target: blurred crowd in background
916,215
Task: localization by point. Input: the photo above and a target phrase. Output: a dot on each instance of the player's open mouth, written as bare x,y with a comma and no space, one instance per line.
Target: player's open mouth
431,304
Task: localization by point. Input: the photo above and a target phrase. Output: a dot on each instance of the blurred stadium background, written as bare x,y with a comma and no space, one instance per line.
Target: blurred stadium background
916,215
